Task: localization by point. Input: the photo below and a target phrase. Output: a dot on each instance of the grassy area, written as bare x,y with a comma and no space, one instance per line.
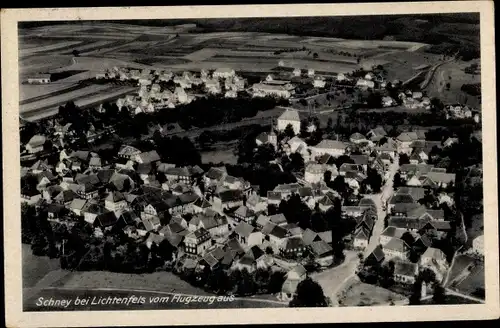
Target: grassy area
361,294
34,268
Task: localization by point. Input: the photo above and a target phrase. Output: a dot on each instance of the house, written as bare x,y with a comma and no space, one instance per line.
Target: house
423,213
201,205
357,138
405,140
179,174
65,197
276,235
334,148
147,157
361,238
293,278
115,202
389,233
289,116
105,220
315,173
323,252
388,101
253,259
243,213
256,203
435,260
319,82
35,144
197,242
478,245
128,152
246,235
224,73
95,163
292,247
441,179
376,134
405,272
396,248
215,175
278,219
216,225
30,196
376,257
227,199
365,84
437,229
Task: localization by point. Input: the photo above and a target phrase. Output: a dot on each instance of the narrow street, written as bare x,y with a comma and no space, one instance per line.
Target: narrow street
333,280
380,199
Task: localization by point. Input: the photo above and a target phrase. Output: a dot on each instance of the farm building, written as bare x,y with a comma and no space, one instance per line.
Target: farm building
39,79
35,144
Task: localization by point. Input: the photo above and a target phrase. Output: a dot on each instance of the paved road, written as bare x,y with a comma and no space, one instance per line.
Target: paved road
334,279
380,199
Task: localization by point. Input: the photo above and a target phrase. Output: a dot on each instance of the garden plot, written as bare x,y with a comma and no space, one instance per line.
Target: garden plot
98,64
97,44
30,91
333,67
42,64
50,47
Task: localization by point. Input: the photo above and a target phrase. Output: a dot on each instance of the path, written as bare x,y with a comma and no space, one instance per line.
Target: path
455,293
433,70
380,199
333,280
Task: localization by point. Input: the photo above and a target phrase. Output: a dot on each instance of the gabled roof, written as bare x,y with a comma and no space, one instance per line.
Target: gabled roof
202,203
216,173
360,159
106,219
114,196
407,136
129,217
393,232
268,228
321,247
293,243
277,218
397,245
278,232
244,212
244,229
37,140
149,157
230,195
434,253
357,136
441,177
326,236
405,223
378,253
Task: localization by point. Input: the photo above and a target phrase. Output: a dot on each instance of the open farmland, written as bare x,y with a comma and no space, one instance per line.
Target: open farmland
31,51
362,294
454,74
402,65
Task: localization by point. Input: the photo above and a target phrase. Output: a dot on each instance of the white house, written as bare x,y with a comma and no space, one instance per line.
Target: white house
273,90
35,145
319,82
290,116
333,148
314,172
39,79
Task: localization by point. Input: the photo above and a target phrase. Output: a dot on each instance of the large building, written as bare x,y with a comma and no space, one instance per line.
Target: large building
39,79
274,90
290,116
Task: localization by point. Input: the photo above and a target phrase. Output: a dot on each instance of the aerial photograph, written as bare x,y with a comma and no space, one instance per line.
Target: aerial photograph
266,162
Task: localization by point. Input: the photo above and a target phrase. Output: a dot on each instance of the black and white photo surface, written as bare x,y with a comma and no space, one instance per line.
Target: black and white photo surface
262,162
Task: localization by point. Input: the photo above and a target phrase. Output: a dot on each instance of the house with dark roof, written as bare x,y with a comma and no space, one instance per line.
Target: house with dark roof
376,134
243,213
293,278
275,235
247,235
215,175
376,257
227,199
253,259
105,220
435,260
274,197
323,252
361,238
405,272
411,225
436,229
201,205
261,221
292,247
357,137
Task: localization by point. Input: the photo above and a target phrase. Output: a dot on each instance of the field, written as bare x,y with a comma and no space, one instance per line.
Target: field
226,155
453,73
48,49
474,283
361,294
451,300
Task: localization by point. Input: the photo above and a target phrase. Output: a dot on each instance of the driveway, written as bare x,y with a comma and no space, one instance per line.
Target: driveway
333,280
380,199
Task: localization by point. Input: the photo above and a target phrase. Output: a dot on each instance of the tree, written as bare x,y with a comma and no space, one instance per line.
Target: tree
308,294
374,180
403,159
269,250
76,53
276,281
436,105
439,294
289,132
327,177
329,125
315,55
397,181
296,162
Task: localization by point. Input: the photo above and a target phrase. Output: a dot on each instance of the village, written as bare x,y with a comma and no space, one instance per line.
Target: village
371,200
